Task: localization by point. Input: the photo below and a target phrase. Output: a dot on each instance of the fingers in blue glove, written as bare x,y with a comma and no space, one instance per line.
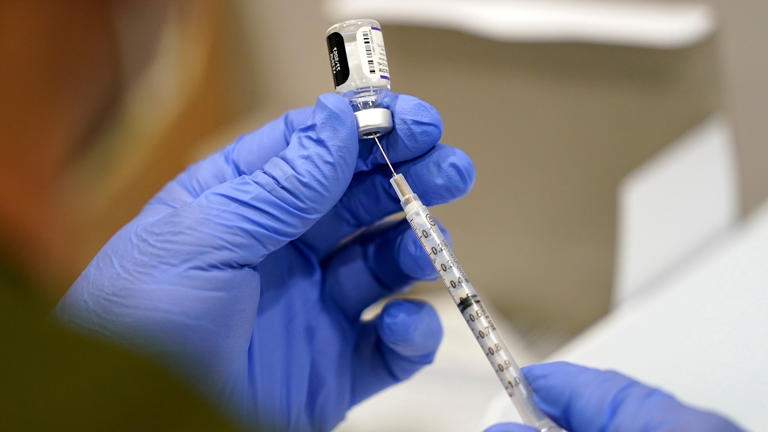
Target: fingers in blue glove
510,427
375,265
417,129
247,154
400,341
442,175
239,222
581,399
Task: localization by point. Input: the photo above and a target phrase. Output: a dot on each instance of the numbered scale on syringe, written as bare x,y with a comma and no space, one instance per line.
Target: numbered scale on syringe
466,298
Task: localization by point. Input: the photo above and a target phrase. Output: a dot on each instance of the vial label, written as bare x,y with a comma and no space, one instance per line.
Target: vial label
338,57
373,56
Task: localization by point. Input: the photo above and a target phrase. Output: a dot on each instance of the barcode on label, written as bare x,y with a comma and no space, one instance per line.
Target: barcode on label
369,52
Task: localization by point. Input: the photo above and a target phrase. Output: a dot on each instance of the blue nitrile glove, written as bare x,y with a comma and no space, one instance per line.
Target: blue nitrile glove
581,399
235,275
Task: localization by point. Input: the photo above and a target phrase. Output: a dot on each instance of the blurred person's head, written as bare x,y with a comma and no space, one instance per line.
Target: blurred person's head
60,75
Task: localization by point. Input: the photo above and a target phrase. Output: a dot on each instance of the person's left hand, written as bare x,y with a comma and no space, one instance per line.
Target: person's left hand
236,274
582,399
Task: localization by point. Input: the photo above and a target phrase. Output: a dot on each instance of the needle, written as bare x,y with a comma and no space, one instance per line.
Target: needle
385,155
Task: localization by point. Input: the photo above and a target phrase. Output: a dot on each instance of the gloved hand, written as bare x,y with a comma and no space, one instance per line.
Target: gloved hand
234,272
581,399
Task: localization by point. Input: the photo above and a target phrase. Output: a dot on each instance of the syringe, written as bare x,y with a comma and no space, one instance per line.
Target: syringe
467,300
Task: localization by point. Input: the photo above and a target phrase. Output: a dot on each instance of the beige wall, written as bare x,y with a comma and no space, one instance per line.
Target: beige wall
744,66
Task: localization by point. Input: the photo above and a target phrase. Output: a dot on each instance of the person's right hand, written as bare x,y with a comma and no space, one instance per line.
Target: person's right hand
581,399
248,273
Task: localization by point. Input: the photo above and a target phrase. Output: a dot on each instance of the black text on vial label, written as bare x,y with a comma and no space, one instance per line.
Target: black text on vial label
338,57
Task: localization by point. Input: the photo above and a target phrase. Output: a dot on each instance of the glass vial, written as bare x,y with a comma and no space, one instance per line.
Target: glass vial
360,72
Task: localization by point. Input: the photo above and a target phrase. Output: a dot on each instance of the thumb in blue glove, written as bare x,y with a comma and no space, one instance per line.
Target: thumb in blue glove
235,274
581,399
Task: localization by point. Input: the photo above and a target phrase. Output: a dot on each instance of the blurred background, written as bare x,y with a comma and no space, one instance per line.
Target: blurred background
580,117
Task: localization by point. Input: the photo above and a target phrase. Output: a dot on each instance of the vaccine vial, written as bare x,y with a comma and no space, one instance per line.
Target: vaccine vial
360,72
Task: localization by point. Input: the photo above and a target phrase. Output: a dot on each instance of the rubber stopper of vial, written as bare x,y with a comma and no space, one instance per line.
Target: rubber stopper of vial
373,122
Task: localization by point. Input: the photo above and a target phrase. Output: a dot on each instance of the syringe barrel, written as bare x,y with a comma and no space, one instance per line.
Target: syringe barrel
468,302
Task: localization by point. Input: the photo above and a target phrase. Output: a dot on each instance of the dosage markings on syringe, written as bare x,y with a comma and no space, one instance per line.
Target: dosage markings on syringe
481,324
493,350
511,384
436,249
469,304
